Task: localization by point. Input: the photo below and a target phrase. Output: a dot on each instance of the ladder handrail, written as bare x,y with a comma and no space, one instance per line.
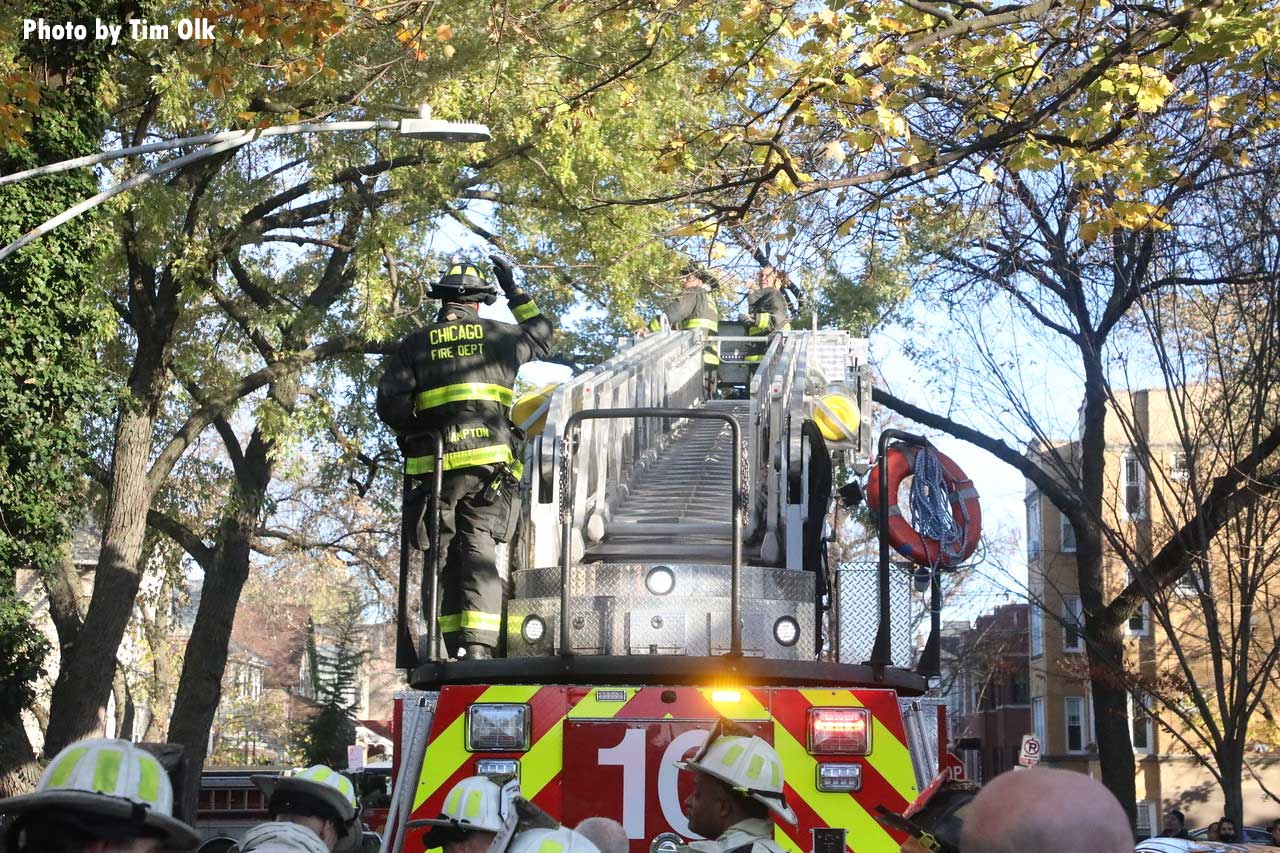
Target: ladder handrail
567,482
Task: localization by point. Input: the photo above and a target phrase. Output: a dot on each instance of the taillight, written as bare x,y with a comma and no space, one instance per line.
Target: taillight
839,731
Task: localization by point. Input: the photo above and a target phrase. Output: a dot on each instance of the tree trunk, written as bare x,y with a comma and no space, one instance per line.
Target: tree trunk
1230,760
1104,642
203,665
88,668
21,772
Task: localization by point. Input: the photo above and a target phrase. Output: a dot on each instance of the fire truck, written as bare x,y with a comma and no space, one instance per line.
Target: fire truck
671,569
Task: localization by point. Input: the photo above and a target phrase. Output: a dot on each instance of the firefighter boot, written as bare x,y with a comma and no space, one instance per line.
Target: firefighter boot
477,651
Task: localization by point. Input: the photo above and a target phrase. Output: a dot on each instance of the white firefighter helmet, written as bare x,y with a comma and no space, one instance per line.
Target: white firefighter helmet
317,783
111,779
477,803
561,840
747,764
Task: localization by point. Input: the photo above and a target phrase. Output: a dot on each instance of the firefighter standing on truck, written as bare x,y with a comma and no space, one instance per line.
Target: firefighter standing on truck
695,308
455,377
737,794
767,312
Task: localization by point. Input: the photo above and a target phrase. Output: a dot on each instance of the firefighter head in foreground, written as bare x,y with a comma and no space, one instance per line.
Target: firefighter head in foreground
737,793
97,796
315,810
488,815
933,822
454,378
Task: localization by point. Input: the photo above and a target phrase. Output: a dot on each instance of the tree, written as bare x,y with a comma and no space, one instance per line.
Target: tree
51,321
335,669
1032,270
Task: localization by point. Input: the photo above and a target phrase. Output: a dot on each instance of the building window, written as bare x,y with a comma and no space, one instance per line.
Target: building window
1134,487
1141,725
1072,624
1188,584
1033,527
1180,465
1140,621
1068,534
1037,720
1093,716
1075,723
1037,631
1146,819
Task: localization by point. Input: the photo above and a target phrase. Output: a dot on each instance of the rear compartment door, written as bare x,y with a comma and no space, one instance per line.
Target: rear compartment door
626,768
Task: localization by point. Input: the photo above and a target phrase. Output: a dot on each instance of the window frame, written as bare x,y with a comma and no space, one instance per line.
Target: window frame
1034,545
1180,473
1127,459
1144,808
1149,729
1078,618
1064,526
1145,629
1039,725
1066,724
1037,631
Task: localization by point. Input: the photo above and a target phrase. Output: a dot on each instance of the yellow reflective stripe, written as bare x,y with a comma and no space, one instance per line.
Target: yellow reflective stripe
700,323
474,619
525,311
783,840
591,708
710,358
542,762
474,801
446,753
655,325
66,766
464,391
888,754
106,772
490,455
840,810
148,780
753,359
785,327
550,845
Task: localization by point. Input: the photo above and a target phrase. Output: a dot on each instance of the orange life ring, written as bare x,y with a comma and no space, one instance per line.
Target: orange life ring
965,509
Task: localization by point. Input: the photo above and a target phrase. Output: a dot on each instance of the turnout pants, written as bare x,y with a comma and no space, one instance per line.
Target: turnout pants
471,592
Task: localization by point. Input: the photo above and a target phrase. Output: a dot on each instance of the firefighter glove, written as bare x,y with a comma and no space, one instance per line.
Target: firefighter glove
503,272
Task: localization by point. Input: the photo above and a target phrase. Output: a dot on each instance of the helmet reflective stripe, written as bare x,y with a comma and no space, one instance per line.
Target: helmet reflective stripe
324,776
465,269
475,803
749,765
112,767
560,840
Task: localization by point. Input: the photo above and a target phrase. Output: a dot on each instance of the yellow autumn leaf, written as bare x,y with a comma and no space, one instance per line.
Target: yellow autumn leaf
444,32
834,151
449,51
987,173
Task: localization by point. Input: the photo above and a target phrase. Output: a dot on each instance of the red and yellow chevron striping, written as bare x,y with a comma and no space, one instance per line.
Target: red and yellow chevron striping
609,750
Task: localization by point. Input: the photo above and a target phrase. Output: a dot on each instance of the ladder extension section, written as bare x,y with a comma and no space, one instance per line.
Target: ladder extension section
654,489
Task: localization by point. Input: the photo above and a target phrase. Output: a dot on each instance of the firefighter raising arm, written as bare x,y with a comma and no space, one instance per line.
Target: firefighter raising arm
454,377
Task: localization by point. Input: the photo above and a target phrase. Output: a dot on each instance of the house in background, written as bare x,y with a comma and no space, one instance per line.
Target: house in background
988,701
1062,713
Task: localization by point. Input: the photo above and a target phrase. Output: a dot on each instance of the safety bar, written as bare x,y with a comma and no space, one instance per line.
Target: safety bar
567,481
406,651
880,654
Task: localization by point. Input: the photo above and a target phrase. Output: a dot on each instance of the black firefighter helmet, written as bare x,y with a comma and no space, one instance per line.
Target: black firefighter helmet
464,282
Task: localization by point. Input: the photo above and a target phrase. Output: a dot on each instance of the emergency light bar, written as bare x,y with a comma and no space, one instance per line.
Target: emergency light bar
839,731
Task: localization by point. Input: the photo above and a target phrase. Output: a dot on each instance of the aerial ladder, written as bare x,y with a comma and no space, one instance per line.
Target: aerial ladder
669,570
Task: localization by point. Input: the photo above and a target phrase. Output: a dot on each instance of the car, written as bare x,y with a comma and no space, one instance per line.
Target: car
1248,835
1188,845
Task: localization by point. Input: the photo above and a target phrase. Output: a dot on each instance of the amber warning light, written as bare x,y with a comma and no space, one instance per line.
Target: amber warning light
839,731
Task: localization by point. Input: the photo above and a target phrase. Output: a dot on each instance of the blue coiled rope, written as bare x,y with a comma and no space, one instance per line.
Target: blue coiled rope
931,514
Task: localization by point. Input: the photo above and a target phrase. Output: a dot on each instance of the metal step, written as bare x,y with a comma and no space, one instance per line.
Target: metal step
677,506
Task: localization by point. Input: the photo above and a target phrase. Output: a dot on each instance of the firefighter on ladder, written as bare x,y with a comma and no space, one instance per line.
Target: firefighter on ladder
455,377
767,312
737,794
695,308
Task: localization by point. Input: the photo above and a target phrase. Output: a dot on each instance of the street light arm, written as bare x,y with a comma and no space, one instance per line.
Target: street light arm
189,141
115,190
